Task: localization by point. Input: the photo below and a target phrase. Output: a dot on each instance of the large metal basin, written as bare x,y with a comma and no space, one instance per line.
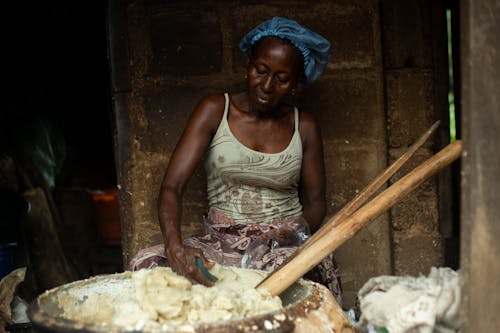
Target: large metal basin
308,307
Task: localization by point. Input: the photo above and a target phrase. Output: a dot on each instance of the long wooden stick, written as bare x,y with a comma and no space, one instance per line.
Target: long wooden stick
366,193
285,276
369,190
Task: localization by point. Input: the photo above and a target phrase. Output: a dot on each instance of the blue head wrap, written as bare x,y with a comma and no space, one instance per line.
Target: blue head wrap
314,48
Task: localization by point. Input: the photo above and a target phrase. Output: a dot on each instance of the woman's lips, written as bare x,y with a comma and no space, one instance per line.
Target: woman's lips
263,99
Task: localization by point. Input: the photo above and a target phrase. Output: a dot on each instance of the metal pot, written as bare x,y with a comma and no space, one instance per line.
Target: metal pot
308,307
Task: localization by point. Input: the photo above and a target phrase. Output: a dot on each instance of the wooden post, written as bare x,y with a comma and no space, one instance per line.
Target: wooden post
480,183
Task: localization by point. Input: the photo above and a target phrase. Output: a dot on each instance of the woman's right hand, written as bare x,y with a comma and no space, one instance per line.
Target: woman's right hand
182,259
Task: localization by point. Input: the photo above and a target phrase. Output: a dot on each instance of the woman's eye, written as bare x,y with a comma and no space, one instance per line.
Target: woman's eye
261,71
282,79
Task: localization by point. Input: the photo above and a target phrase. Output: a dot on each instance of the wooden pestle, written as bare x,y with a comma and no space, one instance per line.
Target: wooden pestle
367,192
286,275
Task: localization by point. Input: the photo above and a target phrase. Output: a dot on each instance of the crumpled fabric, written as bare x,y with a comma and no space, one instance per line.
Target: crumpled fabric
314,48
412,304
8,287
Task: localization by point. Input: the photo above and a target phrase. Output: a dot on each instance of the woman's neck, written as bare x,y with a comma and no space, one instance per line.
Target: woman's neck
240,101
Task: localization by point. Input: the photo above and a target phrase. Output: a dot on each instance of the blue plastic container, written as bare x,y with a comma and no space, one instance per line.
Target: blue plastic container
7,251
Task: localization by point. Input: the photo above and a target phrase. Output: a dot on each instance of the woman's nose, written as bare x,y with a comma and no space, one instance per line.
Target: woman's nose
267,84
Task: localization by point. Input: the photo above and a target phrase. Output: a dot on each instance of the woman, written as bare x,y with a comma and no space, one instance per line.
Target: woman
264,160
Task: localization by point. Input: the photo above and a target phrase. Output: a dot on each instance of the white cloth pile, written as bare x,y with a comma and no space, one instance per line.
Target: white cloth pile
412,304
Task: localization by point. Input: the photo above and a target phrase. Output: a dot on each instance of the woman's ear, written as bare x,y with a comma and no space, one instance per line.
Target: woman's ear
246,68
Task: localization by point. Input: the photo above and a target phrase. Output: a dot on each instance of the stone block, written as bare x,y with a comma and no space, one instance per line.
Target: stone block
419,207
348,109
415,254
415,221
244,19
367,254
149,170
410,103
407,34
185,41
349,27
166,110
419,157
348,170
334,20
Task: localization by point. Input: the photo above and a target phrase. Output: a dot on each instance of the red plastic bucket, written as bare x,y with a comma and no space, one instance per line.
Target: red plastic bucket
107,213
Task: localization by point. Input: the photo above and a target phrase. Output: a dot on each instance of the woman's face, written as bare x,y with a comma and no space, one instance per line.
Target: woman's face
273,71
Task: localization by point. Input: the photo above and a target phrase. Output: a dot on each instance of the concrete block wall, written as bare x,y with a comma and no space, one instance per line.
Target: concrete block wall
415,91
183,50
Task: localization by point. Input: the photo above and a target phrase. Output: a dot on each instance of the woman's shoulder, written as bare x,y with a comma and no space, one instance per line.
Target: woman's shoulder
209,110
307,121
212,103
308,126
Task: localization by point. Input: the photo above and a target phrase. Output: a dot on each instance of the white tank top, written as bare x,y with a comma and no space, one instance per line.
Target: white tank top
249,186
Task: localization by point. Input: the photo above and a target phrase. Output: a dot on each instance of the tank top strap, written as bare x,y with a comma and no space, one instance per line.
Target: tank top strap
296,111
226,106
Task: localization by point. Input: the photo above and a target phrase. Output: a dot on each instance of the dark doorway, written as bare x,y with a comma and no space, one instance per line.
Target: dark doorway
56,125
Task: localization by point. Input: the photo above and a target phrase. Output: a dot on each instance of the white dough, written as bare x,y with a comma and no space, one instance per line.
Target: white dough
159,296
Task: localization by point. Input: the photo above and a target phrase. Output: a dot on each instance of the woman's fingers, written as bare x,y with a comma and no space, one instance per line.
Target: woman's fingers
194,271
196,274
182,260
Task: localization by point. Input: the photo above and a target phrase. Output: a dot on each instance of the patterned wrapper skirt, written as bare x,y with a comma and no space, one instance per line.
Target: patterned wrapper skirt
263,246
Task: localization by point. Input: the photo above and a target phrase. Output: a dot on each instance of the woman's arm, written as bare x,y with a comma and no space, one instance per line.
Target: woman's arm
186,156
313,172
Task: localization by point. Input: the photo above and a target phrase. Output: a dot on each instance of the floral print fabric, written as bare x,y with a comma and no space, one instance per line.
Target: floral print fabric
225,242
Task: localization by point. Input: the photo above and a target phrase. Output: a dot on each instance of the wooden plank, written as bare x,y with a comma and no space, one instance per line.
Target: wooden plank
480,208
